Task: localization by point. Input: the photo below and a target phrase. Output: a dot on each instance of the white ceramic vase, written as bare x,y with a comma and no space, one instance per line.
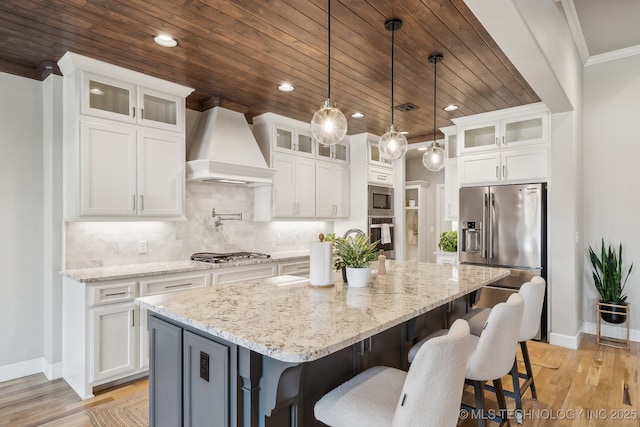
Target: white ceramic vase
358,277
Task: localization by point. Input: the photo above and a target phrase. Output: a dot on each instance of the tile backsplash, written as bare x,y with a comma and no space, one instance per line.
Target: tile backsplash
103,244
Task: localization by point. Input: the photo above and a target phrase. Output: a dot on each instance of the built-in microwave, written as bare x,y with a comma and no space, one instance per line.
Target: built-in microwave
380,201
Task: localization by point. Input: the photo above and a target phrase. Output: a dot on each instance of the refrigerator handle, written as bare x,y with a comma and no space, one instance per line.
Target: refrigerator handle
492,203
485,225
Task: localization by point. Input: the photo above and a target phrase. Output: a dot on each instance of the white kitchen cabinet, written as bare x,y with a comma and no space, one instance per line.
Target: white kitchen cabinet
338,153
332,190
105,336
114,339
246,272
279,134
507,166
451,181
294,268
293,186
113,99
124,143
377,175
451,190
509,128
125,171
525,164
374,158
506,146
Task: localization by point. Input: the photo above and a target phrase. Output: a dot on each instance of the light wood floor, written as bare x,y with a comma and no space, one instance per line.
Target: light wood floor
583,387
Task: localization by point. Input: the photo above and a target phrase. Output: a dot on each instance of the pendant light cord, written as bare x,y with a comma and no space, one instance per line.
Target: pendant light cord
435,76
393,48
329,49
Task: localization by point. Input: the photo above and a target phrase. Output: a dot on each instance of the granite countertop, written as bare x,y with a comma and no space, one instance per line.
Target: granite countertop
286,318
101,274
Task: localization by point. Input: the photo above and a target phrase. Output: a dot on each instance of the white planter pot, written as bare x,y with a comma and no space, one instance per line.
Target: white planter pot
358,277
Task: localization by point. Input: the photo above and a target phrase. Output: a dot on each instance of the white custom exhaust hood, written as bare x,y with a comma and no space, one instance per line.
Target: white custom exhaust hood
224,149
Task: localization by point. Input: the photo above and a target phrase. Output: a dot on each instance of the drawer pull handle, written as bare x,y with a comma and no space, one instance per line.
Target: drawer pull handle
178,286
115,294
382,177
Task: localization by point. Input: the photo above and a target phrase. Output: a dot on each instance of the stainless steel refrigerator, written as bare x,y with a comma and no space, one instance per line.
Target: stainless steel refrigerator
505,226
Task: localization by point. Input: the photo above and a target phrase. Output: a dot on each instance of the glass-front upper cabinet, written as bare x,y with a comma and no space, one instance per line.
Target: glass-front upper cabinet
450,141
289,140
338,152
108,98
159,110
374,156
525,130
117,100
479,138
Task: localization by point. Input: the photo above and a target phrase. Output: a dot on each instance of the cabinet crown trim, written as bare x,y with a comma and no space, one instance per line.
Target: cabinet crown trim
70,62
503,114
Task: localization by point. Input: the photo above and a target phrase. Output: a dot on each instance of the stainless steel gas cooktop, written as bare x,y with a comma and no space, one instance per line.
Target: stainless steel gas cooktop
227,257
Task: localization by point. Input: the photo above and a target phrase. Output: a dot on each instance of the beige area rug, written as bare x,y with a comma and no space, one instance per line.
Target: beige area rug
132,412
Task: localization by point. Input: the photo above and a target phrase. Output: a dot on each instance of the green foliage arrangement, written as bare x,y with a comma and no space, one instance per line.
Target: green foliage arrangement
608,273
354,251
448,241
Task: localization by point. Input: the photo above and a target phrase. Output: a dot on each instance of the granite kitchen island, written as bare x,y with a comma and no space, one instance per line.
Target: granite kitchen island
260,353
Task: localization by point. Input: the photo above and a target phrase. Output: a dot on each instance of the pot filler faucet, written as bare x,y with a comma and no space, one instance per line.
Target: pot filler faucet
224,216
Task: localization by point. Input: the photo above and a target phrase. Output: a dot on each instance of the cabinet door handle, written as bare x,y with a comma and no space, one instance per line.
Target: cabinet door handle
504,142
133,112
133,318
497,172
497,141
141,202
142,114
504,171
382,177
133,199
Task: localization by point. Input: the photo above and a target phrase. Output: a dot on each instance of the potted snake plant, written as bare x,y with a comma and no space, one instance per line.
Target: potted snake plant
610,281
356,253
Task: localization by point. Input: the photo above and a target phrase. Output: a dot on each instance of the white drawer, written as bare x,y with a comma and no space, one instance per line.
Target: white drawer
113,292
380,176
173,283
238,274
298,268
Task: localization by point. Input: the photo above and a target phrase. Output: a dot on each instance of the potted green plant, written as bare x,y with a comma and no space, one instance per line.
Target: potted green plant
610,280
448,241
356,253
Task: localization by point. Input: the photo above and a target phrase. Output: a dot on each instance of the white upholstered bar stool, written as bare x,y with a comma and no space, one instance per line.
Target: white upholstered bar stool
492,357
428,395
533,295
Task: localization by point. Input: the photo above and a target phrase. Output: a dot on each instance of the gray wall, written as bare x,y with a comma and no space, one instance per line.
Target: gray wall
21,220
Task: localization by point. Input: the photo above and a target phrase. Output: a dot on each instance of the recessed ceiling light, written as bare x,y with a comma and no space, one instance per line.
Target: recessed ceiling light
286,87
357,115
96,91
450,107
166,41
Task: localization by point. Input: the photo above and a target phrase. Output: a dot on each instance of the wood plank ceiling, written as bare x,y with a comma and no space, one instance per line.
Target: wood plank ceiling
238,51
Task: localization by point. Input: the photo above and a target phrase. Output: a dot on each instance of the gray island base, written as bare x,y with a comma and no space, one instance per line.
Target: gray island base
262,352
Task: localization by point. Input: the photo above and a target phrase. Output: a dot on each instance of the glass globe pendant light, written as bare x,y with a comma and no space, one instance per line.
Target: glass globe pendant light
393,144
328,125
435,157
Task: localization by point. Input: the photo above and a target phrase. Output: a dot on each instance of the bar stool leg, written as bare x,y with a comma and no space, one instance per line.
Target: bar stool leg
478,390
502,404
527,365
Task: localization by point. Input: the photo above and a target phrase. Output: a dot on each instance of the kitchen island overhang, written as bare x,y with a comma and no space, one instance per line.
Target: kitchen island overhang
276,326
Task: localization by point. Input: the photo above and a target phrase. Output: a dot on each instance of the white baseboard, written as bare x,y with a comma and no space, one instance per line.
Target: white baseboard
567,341
21,369
29,367
51,370
611,331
